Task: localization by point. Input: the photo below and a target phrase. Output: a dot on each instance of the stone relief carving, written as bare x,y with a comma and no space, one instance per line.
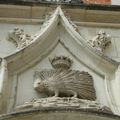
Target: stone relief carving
65,82
64,88
19,38
100,41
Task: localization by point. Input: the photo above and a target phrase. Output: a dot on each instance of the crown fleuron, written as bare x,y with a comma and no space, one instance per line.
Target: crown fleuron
61,62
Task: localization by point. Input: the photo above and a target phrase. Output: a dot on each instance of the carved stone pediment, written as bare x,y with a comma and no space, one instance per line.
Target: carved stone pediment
69,42
100,41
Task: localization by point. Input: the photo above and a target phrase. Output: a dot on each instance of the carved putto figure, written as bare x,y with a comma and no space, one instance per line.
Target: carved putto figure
64,82
100,41
19,38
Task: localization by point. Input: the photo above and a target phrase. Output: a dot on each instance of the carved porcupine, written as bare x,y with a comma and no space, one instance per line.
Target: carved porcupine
65,83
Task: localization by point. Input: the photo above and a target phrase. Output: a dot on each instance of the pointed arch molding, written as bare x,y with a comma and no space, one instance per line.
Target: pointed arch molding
47,39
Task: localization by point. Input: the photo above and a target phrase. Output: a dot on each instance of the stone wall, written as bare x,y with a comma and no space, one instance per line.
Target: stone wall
21,84
115,2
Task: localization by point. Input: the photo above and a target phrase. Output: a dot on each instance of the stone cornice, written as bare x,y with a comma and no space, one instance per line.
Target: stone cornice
69,111
41,21
78,14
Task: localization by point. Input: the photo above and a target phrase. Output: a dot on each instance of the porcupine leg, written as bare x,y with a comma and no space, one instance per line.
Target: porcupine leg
56,93
74,94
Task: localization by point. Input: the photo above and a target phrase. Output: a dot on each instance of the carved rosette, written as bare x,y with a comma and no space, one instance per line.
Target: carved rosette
100,41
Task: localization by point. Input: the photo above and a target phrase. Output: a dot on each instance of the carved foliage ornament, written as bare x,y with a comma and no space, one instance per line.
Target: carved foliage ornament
19,38
100,41
64,82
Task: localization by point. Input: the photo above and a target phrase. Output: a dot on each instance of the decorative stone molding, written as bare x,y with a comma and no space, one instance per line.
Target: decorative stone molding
19,38
100,41
73,24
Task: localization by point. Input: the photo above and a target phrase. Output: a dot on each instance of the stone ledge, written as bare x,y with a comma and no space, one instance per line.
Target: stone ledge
65,102
60,113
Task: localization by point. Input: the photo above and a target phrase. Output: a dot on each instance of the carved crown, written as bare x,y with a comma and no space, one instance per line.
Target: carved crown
61,62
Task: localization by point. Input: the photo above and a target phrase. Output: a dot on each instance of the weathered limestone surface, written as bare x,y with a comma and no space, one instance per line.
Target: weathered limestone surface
115,2
60,36
96,20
